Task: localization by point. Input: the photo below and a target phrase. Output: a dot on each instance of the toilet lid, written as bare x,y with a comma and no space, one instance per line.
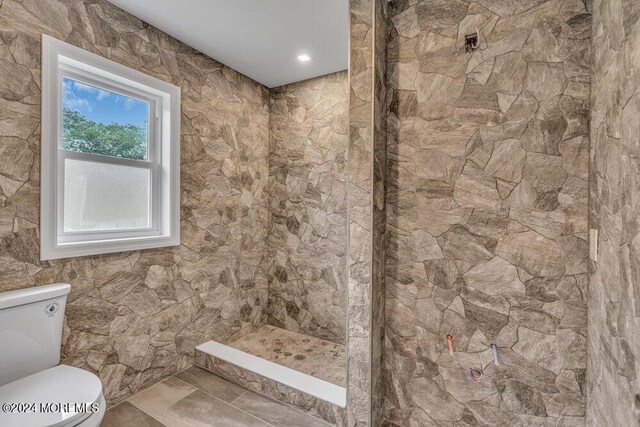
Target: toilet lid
54,397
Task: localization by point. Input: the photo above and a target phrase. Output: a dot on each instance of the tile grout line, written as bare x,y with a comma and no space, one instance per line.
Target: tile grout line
230,403
160,382
148,414
118,404
178,379
217,398
247,391
147,388
294,408
239,396
280,403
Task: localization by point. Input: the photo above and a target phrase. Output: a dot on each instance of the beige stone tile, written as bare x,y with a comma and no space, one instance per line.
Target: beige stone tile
199,409
160,396
210,383
125,414
275,412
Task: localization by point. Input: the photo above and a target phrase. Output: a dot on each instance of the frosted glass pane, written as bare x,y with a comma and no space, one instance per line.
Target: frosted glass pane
101,196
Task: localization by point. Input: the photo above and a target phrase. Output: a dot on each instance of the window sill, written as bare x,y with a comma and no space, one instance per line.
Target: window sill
79,249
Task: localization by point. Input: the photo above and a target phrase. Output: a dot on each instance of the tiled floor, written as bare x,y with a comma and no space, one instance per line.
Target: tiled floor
196,397
319,358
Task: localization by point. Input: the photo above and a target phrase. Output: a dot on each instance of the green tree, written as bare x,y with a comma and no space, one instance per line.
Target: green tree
79,134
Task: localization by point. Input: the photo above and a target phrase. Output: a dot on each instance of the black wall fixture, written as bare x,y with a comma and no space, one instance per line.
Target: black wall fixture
471,42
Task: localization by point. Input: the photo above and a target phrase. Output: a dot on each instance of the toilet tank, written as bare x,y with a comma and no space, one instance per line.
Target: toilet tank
31,330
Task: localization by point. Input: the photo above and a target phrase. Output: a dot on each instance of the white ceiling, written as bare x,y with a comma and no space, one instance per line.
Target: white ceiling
259,38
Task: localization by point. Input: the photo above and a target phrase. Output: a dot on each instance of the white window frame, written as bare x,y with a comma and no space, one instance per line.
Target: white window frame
60,60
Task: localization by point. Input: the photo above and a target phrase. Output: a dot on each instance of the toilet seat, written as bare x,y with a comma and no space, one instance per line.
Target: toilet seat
58,385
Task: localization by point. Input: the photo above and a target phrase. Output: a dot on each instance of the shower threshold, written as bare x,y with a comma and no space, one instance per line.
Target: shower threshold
303,371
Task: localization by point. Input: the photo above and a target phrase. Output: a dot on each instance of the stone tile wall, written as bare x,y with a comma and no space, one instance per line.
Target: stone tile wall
613,362
359,246
307,206
487,212
366,170
379,208
135,317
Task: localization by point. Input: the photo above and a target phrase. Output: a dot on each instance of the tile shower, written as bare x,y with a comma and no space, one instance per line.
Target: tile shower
306,249
345,226
487,216
307,189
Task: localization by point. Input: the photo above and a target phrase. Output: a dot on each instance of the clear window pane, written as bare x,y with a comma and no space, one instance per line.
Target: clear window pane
100,196
99,121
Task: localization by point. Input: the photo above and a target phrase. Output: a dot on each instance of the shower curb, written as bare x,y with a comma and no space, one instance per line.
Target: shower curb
273,389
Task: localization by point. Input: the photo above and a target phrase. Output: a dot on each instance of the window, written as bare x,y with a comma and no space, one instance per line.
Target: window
110,156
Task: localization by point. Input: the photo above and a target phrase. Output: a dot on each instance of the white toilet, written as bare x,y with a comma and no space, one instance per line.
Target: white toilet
30,335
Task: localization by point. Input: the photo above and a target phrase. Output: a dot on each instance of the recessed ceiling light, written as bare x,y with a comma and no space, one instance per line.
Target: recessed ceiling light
304,58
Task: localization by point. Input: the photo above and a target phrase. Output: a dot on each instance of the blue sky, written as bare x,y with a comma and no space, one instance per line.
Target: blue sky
102,106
